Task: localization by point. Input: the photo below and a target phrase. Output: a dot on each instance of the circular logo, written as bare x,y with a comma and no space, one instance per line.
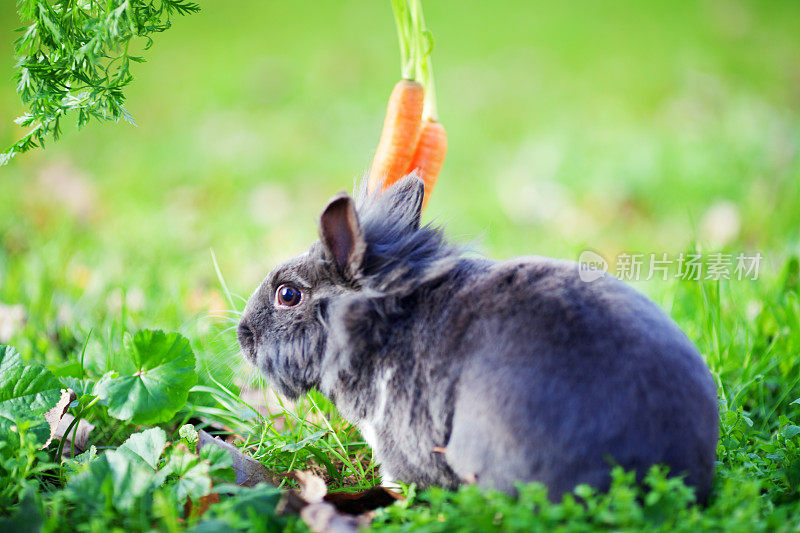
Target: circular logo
591,266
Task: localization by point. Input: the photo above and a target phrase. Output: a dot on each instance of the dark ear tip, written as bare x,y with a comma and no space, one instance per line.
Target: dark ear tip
410,188
340,233
411,181
409,192
338,202
337,199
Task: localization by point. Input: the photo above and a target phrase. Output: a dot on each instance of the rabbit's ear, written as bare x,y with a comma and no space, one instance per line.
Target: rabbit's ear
405,199
341,234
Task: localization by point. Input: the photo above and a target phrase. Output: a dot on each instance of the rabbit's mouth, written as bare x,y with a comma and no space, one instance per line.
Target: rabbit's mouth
279,380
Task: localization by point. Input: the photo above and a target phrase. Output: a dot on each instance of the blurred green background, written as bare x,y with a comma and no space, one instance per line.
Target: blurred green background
616,126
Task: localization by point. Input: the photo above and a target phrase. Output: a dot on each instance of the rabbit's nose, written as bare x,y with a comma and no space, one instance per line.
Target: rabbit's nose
247,340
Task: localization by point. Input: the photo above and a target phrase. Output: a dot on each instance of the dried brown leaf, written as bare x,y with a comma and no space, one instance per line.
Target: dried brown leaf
205,502
321,512
312,487
323,517
290,503
54,415
249,472
362,502
81,435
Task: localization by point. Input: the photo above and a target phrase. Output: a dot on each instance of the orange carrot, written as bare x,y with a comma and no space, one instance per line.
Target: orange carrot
429,155
401,131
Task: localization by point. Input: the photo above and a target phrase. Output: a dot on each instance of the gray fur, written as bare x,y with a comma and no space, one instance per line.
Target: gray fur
468,370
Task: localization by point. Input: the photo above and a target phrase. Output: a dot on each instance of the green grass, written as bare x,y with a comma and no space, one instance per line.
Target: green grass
616,127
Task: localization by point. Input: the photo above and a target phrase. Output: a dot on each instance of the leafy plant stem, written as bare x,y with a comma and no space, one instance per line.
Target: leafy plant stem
59,452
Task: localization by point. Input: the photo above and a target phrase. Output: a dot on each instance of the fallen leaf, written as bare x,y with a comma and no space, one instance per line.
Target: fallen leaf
312,487
321,512
54,415
249,472
205,502
336,512
362,502
81,436
323,517
290,503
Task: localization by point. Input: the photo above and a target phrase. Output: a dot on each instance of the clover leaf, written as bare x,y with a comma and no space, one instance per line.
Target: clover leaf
159,385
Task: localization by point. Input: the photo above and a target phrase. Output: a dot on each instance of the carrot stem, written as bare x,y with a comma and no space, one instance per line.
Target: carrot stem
423,48
412,139
402,19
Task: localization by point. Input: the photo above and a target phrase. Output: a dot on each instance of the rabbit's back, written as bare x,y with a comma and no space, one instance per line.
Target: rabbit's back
563,378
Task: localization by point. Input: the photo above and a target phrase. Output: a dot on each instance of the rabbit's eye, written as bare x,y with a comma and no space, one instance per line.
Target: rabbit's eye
287,296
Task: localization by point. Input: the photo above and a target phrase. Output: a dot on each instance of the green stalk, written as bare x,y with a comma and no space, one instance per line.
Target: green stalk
416,45
424,48
404,37
60,451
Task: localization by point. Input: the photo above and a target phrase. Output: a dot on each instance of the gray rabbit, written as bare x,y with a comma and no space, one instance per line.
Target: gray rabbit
459,369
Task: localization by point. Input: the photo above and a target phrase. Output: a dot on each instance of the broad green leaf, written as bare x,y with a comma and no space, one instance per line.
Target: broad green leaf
187,475
159,385
27,392
27,518
245,509
295,446
220,463
791,431
81,387
132,479
91,487
112,479
87,456
73,466
145,448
